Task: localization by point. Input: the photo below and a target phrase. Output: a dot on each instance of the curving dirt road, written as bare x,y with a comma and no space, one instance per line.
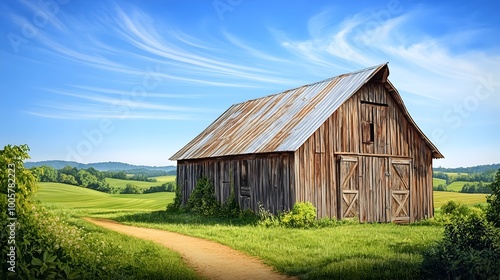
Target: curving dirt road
209,259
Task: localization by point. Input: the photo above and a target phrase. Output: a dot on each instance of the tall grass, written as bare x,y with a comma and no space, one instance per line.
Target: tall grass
104,254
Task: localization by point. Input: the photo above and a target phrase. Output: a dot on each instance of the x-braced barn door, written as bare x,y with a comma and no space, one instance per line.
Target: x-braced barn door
349,186
400,190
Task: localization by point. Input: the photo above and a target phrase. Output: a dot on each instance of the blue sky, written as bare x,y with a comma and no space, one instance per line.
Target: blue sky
134,81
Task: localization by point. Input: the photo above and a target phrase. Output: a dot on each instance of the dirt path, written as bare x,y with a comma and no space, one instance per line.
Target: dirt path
209,259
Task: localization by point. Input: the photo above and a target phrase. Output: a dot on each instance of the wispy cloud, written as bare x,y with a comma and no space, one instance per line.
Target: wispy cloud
447,74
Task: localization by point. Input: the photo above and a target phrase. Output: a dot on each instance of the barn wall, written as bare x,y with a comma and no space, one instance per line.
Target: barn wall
267,179
345,133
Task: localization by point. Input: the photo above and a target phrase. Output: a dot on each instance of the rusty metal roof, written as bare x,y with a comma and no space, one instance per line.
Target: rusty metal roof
276,123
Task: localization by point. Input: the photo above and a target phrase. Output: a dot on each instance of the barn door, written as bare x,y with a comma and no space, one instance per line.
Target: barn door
349,187
400,190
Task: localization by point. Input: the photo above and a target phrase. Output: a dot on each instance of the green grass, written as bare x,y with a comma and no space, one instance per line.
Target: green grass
126,257
120,183
436,182
68,196
457,185
349,251
467,198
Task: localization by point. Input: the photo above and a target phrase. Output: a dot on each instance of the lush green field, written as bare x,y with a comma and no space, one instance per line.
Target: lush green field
68,196
467,198
436,182
457,186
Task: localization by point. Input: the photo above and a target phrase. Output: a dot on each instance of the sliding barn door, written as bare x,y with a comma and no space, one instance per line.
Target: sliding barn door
400,190
349,187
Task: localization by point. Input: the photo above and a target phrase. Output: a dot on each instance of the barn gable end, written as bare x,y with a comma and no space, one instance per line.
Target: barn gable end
346,144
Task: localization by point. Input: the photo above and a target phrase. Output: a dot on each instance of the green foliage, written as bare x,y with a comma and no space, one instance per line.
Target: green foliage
131,189
470,249
455,208
303,215
176,205
440,188
35,254
67,179
165,187
493,210
202,200
476,188
231,207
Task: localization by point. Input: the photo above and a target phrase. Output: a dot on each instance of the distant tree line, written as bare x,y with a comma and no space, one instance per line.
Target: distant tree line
476,187
94,179
486,176
135,177
473,169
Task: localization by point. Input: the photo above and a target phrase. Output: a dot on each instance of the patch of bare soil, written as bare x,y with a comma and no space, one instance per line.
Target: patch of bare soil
209,259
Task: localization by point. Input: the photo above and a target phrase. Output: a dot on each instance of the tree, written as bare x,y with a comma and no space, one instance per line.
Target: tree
46,173
68,170
131,189
13,176
67,179
85,179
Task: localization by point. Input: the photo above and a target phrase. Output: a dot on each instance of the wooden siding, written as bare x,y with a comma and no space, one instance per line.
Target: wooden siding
318,166
267,179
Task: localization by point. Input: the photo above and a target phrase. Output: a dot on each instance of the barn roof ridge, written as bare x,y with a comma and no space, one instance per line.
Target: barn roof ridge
312,84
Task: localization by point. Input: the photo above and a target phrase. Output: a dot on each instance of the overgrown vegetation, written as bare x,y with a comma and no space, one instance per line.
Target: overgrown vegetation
470,248
202,201
48,244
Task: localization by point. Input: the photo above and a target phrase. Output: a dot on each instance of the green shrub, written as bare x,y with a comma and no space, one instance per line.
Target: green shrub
231,208
176,205
455,208
303,215
202,200
470,249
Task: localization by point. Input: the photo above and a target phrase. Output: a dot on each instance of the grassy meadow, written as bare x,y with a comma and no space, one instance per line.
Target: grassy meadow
367,251
436,182
466,198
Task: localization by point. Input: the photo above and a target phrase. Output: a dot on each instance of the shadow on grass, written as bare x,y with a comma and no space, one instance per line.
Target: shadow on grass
166,217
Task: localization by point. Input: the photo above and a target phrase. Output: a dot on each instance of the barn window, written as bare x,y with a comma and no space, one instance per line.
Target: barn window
368,132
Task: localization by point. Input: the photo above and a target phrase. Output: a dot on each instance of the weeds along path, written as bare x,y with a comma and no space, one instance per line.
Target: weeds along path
209,259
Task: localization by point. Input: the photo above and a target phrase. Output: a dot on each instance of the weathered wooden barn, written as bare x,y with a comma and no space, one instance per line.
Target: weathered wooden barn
346,144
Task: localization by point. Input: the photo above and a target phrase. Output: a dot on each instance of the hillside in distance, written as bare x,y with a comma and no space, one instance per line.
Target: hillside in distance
472,169
101,166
